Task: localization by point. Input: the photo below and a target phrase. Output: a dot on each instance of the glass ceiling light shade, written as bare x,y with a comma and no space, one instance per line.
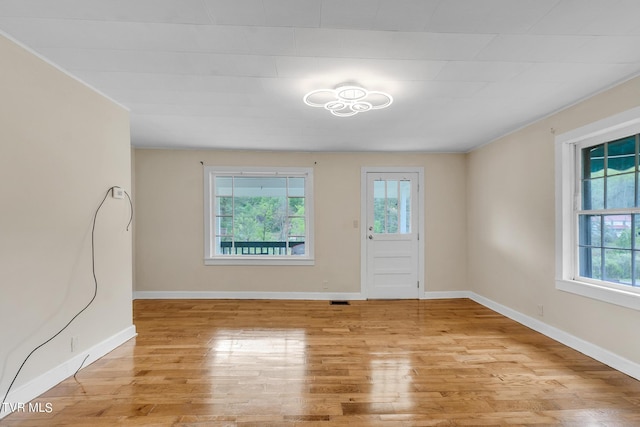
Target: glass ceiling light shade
348,100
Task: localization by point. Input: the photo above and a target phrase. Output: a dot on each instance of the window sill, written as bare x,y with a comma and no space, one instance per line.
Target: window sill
259,261
619,297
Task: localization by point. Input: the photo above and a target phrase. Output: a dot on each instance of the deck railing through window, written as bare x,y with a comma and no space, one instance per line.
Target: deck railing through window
262,248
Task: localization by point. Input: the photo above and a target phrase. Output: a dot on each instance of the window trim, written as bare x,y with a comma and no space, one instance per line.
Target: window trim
210,258
567,144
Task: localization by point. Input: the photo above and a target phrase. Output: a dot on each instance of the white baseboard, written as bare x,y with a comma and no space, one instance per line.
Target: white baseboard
351,296
34,388
598,353
447,295
321,296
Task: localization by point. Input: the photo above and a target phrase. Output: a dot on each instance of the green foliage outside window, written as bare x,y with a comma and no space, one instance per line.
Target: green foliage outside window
260,210
265,219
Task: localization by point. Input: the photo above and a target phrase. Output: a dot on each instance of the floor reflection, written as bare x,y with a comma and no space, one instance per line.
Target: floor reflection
265,368
392,380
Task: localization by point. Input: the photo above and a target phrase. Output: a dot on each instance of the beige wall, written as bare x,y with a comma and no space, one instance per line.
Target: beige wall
511,223
61,147
169,227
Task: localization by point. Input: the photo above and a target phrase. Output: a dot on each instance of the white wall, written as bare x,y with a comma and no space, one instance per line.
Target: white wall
62,146
169,230
511,223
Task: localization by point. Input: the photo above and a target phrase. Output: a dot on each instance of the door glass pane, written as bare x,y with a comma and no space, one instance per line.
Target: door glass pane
392,206
379,207
405,207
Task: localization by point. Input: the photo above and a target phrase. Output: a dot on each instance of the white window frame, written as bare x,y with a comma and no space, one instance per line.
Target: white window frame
210,256
567,148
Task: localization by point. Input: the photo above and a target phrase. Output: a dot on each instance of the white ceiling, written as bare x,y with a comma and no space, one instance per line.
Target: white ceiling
232,73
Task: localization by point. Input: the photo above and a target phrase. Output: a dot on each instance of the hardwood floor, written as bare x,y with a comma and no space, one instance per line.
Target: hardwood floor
309,363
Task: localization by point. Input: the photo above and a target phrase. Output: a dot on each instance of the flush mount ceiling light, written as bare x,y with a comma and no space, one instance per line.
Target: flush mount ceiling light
348,100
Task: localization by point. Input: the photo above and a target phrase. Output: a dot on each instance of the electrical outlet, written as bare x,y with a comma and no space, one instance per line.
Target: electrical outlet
74,344
325,284
117,193
541,310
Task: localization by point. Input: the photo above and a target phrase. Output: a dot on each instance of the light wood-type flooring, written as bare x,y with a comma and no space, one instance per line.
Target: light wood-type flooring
309,363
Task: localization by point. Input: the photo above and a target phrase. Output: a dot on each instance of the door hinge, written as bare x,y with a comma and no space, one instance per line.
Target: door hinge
418,283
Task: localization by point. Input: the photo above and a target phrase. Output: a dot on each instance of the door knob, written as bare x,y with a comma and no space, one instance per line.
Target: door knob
371,228
370,237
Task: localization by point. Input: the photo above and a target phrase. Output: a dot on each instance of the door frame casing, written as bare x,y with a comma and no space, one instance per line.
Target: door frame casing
363,222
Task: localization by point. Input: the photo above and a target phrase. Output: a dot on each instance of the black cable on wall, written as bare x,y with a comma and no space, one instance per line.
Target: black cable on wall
95,288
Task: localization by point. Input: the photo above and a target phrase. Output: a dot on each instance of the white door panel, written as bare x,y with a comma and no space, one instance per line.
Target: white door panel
392,263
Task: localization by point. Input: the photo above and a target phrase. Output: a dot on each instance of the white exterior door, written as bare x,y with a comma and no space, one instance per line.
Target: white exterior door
392,233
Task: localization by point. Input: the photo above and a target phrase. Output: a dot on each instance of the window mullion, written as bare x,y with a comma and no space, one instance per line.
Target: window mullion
606,175
602,263
386,207
398,206
633,245
233,215
636,201
287,225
